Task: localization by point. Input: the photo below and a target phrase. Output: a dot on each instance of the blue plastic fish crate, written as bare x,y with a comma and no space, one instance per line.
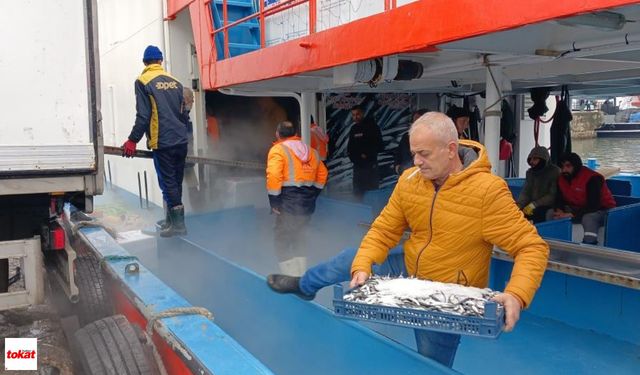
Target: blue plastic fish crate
489,325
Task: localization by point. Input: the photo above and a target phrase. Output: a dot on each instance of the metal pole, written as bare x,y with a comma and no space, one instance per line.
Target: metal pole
312,16
225,22
111,150
140,190
109,168
492,114
305,116
146,190
322,113
313,109
262,26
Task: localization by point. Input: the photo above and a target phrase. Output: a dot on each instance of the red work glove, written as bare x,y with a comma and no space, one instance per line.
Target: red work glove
129,149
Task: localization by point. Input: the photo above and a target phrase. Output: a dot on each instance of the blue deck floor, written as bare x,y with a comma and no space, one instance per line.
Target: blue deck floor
244,236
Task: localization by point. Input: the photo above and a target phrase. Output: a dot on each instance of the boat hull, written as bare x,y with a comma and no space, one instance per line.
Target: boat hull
619,130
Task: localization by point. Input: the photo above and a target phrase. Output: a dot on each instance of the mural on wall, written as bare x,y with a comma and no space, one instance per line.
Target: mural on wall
392,114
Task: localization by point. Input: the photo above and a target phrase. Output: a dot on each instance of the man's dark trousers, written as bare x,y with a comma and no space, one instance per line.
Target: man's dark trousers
289,235
169,163
365,178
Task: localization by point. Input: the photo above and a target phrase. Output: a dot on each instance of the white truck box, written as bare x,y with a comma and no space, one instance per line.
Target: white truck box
50,135
51,150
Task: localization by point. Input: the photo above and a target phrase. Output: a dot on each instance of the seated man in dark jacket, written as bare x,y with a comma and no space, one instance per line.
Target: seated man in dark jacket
540,187
584,196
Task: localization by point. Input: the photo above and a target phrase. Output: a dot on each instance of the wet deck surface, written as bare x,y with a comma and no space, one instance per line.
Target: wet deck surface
244,236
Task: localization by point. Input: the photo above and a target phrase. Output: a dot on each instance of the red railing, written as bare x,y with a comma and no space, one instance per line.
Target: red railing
265,12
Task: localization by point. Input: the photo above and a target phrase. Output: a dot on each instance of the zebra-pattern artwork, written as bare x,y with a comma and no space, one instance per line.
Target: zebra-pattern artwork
392,113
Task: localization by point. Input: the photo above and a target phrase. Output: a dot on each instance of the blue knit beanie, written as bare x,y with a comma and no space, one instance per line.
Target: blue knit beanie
151,53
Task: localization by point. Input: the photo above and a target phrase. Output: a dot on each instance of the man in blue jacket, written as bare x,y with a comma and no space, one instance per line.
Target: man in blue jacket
159,116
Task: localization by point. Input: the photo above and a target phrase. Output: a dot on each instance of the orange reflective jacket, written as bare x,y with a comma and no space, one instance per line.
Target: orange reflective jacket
295,176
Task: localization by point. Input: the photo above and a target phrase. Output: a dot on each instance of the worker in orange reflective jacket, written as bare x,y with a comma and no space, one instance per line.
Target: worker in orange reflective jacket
295,178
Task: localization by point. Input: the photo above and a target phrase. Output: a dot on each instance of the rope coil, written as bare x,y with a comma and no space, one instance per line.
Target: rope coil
178,311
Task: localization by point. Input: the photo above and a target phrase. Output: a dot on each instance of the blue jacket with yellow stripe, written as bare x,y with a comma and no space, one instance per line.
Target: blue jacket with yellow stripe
159,109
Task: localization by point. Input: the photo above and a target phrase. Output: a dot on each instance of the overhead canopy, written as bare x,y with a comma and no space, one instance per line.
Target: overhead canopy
532,50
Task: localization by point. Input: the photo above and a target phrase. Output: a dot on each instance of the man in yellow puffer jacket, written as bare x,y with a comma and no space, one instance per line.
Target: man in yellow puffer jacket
456,214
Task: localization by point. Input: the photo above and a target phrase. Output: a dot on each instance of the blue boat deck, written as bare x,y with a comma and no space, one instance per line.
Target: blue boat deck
221,263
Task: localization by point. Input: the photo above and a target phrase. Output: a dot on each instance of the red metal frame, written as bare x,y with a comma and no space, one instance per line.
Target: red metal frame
262,28
439,22
313,13
262,13
225,28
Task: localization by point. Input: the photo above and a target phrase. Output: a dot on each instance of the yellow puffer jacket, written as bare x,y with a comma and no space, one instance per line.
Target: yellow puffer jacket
454,229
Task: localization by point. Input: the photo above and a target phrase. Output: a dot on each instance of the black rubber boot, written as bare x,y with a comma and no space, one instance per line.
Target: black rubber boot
164,224
287,284
176,226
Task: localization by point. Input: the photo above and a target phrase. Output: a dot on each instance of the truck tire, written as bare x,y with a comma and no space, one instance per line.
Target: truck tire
110,346
93,300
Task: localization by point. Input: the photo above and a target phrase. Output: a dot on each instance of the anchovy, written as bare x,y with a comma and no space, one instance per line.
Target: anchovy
413,293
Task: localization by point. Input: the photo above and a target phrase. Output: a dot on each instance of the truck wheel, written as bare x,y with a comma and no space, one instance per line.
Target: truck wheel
92,304
111,346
